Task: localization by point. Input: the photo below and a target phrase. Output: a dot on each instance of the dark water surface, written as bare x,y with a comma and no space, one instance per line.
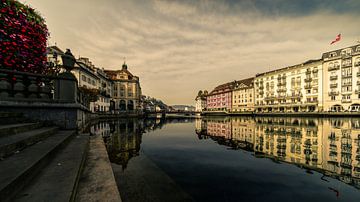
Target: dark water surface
243,158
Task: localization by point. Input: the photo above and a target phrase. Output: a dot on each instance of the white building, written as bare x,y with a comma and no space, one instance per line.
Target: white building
200,101
341,79
296,88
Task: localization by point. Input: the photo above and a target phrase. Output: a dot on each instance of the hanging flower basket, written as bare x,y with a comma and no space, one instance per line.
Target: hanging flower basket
23,36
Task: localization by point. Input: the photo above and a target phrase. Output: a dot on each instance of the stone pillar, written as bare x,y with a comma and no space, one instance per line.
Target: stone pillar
66,87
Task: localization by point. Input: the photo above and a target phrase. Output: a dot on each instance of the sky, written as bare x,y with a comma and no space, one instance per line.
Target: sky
180,47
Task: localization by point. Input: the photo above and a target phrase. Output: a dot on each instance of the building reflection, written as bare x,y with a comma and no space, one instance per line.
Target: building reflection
122,137
330,146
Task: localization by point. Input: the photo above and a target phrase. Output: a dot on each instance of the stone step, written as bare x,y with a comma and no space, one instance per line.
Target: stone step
19,169
17,142
11,117
58,181
10,114
7,130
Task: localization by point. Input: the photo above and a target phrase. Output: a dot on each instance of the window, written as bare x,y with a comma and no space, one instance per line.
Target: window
332,54
83,77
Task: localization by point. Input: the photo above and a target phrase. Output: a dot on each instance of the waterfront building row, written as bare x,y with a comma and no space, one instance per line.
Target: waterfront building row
331,83
116,90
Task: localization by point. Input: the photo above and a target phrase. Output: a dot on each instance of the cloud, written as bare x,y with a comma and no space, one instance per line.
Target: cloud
179,47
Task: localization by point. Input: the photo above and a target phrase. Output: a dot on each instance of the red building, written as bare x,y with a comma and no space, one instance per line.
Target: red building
220,98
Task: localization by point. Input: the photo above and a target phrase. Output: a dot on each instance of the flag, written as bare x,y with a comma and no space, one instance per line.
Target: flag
338,37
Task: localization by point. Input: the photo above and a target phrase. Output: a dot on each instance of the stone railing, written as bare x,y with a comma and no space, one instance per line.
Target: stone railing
23,86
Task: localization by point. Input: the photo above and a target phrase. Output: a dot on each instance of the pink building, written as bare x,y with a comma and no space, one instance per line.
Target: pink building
220,98
219,128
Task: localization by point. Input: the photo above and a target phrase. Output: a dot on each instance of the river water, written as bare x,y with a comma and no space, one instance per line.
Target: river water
235,158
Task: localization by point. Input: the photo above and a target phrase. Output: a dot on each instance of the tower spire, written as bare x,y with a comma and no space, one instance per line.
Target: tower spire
124,66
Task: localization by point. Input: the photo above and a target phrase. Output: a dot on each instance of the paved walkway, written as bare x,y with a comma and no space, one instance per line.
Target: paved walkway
97,182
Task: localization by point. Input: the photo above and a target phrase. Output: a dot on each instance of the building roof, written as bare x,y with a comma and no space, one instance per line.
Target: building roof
226,87
289,67
244,84
354,49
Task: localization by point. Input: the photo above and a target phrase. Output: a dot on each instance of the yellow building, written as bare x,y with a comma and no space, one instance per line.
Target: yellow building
243,95
126,90
296,88
341,83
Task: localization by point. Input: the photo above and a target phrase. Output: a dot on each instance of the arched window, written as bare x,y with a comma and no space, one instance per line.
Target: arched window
130,105
357,61
122,105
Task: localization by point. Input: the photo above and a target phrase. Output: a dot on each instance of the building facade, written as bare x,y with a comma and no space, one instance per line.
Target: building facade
341,79
200,101
243,96
296,88
126,90
220,99
117,90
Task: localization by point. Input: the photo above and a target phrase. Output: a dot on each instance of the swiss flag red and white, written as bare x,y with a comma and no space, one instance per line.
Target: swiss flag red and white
338,37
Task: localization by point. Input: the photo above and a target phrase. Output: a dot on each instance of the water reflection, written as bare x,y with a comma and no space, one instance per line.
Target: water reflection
122,137
330,146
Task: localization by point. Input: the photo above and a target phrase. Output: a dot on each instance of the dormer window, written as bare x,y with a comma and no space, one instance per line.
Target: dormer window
346,52
358,49
333,54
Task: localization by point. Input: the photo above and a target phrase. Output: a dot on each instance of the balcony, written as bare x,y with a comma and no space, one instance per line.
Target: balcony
281,84
346,76
295,95
357,91
346,84
337,67
307,86
281,90
312,101
346,100
357,64
333,93
333,85
308,79
334,77
269,98
346,65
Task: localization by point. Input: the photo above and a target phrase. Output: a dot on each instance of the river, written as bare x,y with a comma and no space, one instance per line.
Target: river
235,158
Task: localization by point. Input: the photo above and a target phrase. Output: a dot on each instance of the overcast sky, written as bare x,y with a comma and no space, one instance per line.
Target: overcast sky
180,47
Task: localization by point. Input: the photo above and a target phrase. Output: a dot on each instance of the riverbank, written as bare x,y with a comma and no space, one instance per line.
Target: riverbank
277,114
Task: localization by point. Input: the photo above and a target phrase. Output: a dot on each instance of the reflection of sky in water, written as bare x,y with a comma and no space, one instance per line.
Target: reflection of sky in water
212,172
211,164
